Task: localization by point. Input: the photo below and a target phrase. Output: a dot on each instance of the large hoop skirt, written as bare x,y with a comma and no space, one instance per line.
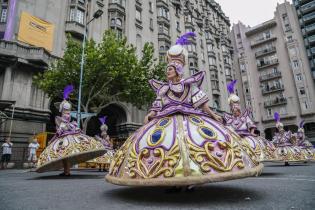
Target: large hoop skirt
180,150
73,147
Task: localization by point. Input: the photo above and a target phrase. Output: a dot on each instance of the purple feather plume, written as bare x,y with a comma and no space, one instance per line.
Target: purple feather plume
231,86
66,92
276,117
184,39
302,124
102,120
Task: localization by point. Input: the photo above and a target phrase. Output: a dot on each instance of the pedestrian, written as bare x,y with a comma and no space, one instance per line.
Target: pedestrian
32,147
6,153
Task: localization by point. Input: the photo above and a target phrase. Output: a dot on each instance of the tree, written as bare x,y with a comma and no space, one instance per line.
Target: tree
112,72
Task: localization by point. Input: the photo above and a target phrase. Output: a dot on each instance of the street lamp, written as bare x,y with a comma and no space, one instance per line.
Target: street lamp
96,15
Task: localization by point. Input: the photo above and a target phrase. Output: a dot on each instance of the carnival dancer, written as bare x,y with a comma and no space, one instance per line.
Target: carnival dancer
282,139
104,160
69,146
304,144
245,127
182,142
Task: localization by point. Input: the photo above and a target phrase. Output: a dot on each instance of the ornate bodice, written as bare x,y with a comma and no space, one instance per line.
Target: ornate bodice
282,139
241,124
184,96
65,126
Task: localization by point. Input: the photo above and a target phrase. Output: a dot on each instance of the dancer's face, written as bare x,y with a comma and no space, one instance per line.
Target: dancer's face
236,112
171,74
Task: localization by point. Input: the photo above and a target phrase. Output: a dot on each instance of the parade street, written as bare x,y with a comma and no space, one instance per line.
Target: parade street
279,187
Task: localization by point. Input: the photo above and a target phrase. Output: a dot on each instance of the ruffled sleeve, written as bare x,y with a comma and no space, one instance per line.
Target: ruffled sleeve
249,122
198,97
156,105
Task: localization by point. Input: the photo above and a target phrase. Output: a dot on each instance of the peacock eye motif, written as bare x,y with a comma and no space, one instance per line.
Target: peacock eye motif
156,137
207,133
164,122
196,120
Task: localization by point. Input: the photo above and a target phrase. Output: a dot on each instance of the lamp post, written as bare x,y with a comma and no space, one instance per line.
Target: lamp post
96,15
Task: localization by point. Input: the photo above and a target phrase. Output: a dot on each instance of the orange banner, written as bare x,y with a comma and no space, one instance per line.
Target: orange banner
36,31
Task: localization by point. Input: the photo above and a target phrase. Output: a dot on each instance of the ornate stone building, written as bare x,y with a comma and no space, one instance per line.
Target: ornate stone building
158,21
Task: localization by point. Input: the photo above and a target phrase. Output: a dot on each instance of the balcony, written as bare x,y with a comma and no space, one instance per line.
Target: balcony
309,17
162,36
216,91
310,28
275,102
161,3
272,89
163,20
228,77
265,64
36,55
115,7
265,51
311,39
308,7
75,28
270,76
262,40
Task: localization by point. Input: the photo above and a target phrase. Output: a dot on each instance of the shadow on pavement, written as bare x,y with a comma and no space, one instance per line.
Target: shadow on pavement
202,194
291,165
264,174
74,176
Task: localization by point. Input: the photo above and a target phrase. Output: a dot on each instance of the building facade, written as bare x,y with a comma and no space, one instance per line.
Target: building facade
305,10
160,22
274,73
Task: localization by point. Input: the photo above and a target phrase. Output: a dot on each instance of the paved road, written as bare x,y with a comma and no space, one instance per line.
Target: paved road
279,187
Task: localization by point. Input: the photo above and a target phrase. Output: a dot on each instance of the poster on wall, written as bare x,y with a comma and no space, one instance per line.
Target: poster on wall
35,31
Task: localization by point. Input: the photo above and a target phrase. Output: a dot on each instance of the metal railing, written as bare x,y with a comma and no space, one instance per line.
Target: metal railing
270,76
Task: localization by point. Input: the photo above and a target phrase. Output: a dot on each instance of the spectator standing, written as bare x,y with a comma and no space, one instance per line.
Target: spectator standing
6,153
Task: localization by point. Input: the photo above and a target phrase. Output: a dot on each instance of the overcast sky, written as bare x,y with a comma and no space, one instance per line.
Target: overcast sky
250,12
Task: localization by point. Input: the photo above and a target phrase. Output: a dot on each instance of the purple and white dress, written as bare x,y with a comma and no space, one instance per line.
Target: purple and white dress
107,157
264,149
181,145
286,151
305,145
69,144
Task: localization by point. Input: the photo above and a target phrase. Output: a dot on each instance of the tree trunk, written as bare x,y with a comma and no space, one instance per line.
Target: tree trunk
85,124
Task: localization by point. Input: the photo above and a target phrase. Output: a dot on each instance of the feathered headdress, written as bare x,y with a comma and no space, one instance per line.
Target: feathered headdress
231,85
184,39
66,91
103,119
276,116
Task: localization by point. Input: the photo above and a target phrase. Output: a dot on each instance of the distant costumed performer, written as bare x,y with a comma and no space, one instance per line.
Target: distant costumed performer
182,142
69,146
104,160
244,126
283,140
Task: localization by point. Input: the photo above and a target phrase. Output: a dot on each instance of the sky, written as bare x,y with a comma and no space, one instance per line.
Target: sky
250,12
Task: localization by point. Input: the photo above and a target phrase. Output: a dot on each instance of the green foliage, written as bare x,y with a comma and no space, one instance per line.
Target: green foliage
112,71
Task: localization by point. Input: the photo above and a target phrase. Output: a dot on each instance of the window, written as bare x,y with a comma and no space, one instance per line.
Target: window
269,112
299,77
151,23
177,25
283,111
212,61
203,56
210,47
289,38
305,104
138,14
302,91
72,14
228,72
3,18
150,6
164,12
118,22
295,64
113,22
80,16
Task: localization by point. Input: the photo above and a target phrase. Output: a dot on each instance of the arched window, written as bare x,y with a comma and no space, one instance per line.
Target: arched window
113,21
118,22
